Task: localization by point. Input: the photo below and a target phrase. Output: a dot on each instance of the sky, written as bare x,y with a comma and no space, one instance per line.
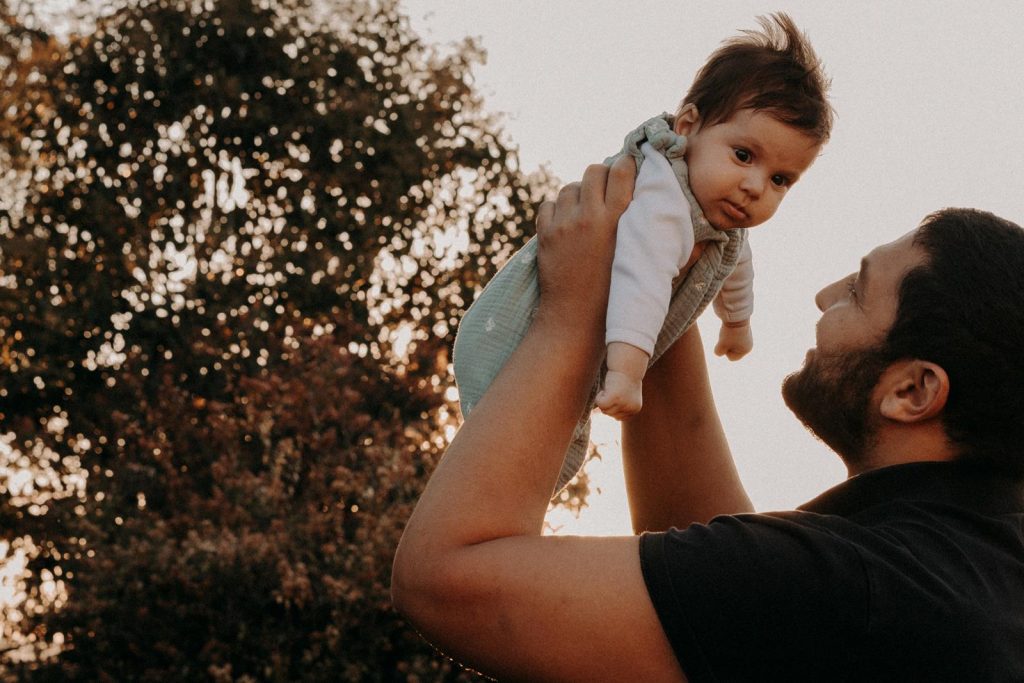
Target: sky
928,98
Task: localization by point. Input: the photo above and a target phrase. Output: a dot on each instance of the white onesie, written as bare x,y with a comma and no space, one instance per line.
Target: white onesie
653,243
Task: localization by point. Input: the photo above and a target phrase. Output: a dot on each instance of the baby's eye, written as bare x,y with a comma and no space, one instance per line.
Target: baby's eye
742,154
780,181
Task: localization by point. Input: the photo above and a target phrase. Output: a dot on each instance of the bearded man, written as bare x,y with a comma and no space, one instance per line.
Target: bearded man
912,569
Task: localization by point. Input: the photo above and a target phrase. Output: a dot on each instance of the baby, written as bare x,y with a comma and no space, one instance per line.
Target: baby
752,123
754,120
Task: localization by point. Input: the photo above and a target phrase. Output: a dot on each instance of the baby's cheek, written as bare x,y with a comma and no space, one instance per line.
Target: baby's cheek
767,211
704,206
697,188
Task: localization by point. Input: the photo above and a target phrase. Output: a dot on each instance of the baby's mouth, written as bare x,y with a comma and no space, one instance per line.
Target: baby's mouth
735,211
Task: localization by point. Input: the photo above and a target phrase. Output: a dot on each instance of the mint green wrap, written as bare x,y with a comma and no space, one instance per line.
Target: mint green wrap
498,319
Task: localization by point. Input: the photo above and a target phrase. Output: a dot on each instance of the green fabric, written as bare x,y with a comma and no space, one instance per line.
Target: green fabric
498,319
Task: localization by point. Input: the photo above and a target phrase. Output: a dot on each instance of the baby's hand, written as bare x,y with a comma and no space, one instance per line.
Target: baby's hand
621,397
735,340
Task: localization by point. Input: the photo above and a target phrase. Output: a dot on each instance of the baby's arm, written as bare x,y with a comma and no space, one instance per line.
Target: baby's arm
734,340
734,305
654,240
621,395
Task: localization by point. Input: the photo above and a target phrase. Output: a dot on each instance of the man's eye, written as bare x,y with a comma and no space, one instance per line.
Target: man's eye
780,181
743,155
851,287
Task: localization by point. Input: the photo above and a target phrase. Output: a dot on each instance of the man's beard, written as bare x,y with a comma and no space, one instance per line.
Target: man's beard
831,396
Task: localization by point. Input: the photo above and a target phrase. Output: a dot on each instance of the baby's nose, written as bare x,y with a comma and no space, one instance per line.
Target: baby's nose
753,184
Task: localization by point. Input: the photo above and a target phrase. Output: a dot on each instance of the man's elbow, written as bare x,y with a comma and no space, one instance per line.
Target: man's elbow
438,593
406,582
416,585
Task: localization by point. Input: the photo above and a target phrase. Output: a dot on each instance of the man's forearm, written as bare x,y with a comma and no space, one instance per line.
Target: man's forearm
676,459
473,571
504,461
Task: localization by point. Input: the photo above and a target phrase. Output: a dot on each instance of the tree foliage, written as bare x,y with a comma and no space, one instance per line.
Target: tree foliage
235,240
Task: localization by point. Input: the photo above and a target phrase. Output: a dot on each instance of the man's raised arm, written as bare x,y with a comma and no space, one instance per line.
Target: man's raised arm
676,459
473,571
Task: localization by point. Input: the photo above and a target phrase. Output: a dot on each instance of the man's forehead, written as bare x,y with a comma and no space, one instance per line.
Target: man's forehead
893,260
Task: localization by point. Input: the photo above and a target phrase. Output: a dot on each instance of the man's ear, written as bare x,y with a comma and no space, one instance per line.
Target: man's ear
687,120
913,391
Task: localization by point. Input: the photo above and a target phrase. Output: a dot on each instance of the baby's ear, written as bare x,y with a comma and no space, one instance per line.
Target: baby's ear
687,120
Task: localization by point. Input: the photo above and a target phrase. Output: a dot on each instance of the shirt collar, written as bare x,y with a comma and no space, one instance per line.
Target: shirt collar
956,483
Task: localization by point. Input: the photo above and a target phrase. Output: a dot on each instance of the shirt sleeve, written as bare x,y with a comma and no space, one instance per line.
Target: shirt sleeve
758,597
654,241
735,301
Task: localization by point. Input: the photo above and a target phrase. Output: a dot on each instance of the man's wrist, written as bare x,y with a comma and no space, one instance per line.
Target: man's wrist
569,332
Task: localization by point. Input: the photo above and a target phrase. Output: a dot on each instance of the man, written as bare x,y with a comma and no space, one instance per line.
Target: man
911,570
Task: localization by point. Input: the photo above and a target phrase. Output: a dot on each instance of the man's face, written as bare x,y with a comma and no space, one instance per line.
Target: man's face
741,169
833,393
831,396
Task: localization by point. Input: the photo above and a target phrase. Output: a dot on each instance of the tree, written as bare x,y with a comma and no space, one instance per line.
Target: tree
236,240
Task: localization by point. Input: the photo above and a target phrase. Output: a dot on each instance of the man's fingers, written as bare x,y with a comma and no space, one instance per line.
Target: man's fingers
568,197
594,180
544,215
601,188
621,178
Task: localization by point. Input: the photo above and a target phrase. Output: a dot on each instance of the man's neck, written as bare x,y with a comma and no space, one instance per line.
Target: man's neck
900,444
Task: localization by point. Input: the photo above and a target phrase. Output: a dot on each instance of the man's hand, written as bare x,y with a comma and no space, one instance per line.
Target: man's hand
576,236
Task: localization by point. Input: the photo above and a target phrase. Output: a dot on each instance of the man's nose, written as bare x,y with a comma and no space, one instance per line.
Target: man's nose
819,301
827,296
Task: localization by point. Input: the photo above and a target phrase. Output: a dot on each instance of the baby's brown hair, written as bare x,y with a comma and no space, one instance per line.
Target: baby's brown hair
774,70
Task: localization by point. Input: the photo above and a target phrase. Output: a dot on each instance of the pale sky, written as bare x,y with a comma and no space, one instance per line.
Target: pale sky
928,96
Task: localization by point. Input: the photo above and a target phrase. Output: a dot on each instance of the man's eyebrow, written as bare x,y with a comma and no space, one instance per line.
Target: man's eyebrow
862,276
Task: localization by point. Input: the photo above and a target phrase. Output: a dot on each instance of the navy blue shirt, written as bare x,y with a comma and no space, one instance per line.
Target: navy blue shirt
912,572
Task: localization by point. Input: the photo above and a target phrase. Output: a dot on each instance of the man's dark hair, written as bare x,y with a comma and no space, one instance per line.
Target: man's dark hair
964,310
774,70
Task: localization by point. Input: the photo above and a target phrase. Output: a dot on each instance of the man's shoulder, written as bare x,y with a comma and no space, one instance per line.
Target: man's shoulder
925,533
899,585
742,591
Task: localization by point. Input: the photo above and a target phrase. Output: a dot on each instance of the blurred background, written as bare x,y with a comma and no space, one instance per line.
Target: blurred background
236,239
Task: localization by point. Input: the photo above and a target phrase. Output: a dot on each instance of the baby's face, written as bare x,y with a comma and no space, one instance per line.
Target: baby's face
741,169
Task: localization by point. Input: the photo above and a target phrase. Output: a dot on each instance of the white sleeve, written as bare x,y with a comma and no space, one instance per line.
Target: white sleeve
735,301
654,241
